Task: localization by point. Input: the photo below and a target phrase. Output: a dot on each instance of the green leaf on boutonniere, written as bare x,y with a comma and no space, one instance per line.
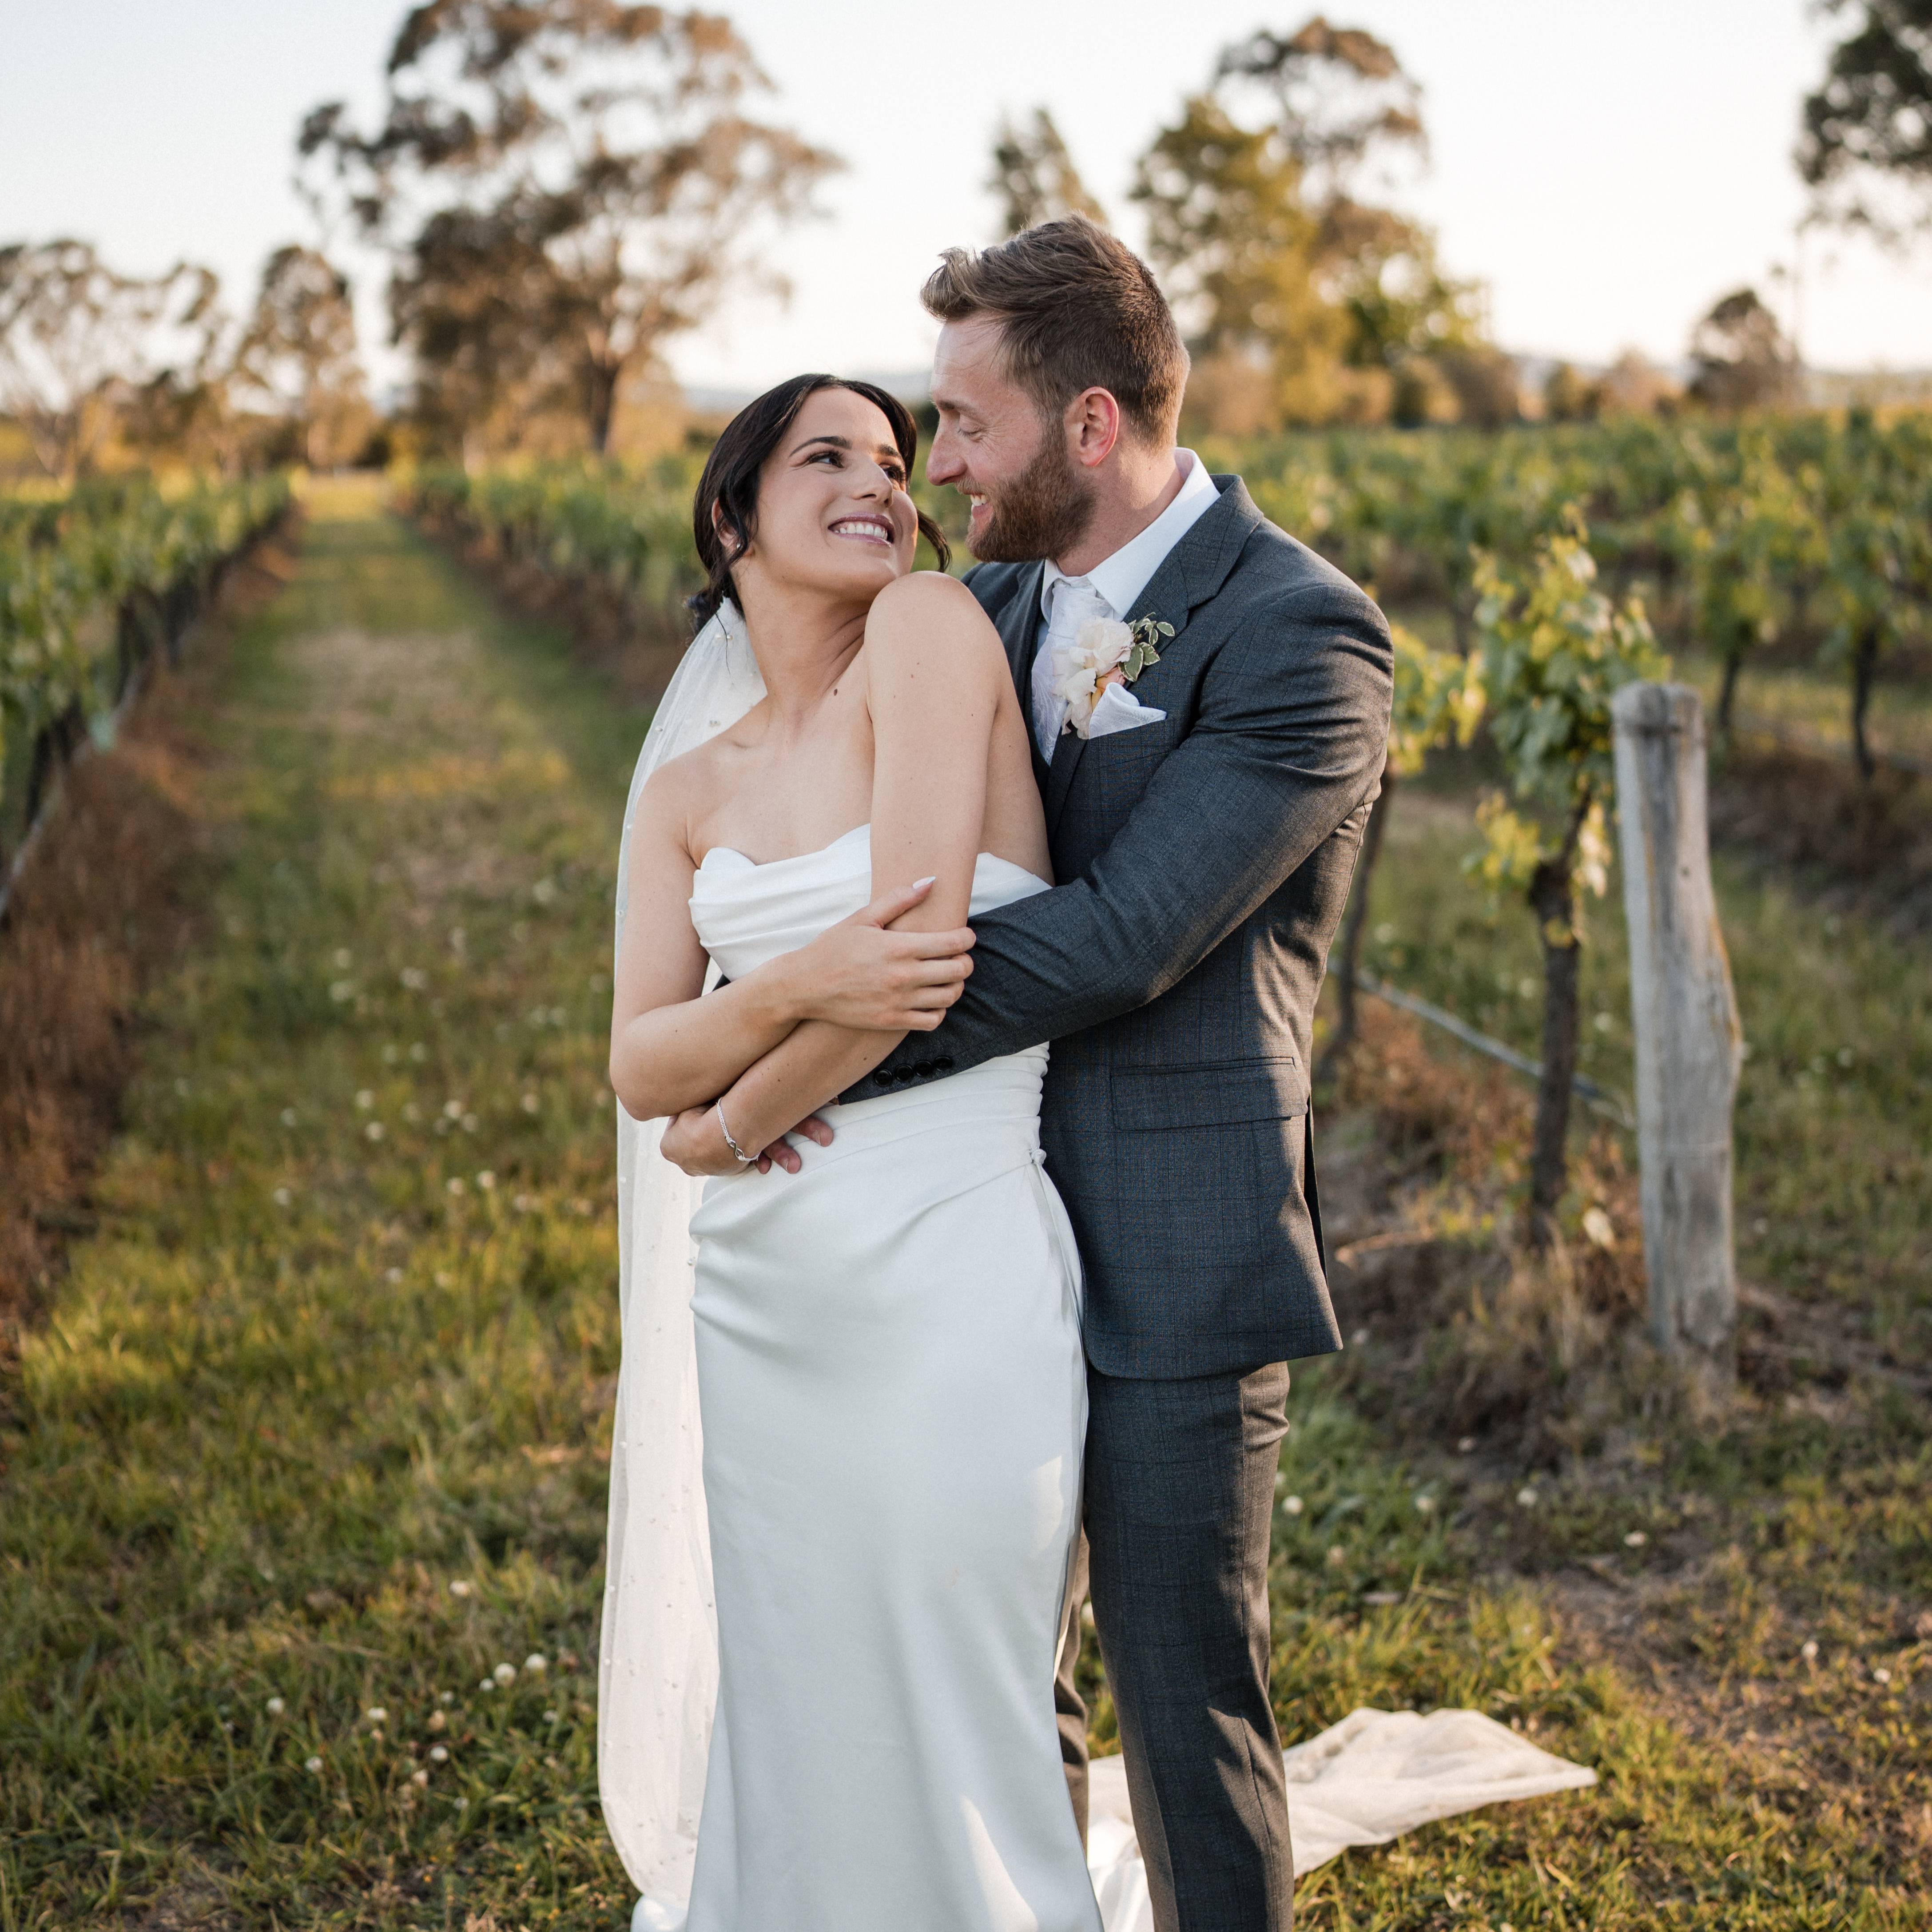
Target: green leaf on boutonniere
1147,633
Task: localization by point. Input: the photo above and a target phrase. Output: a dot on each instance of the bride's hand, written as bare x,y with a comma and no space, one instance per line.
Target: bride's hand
695,1142
857,974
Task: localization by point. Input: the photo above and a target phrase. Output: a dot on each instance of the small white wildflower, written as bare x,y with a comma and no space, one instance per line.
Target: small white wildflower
1291,1505
1337,1556
390,1055
289,1117
470,1123
454,1184
1425,1503
1465,1445
522,1203
313,1766
341,990
282,1197
1527,1498
486,1684
1598,1228
418,1777
1384,934
1808,1650
344,958
1604,1022
459,1586
447,1697
1881,1675
418,1051
537,1662
453,1109
550,1717
1636,1539
275,1707
438,1754
529,1103
543,891
1846,1056
373,1131
486,1180
365,1099
376,1714
504,1673
394,1276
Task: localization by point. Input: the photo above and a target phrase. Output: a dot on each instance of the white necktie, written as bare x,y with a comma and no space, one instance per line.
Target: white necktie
1075,602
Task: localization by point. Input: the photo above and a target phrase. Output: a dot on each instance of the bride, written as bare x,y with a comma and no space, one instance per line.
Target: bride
827,1683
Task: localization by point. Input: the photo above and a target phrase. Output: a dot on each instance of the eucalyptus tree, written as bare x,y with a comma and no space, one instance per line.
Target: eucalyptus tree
564,185
79,340
1866,150
1034,176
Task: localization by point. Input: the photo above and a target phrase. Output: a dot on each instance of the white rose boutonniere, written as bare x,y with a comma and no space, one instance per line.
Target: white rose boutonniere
1104,652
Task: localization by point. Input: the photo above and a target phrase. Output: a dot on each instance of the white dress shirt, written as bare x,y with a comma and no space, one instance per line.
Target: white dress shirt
1109,589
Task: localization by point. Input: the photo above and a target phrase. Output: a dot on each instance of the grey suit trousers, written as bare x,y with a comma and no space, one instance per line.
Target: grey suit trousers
1180,1498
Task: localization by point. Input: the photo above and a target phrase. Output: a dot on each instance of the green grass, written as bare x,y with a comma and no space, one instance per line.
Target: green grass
322,1414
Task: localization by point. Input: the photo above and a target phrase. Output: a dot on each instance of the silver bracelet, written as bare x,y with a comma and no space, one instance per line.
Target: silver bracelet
744,1159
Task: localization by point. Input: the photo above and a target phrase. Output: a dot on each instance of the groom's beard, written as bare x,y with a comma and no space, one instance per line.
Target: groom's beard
1042,513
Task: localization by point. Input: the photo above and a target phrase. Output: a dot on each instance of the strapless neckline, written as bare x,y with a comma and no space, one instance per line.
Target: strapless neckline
795,859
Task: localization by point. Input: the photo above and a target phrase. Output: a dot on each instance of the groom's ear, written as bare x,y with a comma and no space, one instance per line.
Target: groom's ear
1092,421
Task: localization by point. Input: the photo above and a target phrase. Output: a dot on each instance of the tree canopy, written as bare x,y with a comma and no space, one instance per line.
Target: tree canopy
1867,146
1034,176
1305,298
564,184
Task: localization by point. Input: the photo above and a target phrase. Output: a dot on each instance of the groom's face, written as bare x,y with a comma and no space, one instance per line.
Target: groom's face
995,445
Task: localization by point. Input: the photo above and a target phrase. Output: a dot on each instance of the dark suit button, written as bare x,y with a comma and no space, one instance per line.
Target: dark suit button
943,1064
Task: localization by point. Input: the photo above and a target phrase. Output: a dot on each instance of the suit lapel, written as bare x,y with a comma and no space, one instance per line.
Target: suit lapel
1190,574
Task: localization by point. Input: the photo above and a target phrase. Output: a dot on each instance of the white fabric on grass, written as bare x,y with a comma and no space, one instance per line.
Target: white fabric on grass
1369,1779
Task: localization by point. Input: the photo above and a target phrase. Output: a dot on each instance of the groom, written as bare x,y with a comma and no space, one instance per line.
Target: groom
1205,855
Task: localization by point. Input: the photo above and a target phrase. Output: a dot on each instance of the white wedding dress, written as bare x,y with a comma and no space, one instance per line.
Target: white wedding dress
893,1400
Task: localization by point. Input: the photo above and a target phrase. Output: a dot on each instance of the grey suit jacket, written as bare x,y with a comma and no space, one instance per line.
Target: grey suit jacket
1205,862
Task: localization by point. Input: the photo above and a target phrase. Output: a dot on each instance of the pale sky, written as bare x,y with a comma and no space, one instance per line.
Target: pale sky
1608,167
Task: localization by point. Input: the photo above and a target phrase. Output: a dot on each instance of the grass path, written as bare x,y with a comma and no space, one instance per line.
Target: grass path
301,1509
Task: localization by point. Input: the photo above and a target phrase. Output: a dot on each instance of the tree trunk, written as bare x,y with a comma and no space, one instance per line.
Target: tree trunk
1552,897
600,402
1343,973
1864,673
1733,664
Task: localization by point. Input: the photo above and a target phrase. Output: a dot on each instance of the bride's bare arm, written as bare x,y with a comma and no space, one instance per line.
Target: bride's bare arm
935,673
670,1050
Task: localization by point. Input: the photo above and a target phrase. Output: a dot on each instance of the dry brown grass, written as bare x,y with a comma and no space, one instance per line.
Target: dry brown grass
1865,845
1476,1334
101,908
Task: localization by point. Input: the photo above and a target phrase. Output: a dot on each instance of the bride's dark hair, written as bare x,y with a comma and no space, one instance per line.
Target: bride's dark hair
729,487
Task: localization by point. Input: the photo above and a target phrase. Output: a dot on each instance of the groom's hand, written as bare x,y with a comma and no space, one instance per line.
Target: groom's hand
857,974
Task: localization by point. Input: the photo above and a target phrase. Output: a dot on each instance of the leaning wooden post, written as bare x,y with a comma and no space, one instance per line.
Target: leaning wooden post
1689,1045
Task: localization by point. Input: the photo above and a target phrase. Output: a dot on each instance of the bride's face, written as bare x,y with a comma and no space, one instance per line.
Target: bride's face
833,514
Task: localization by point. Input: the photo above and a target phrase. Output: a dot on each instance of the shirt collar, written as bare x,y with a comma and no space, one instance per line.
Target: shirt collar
1121,577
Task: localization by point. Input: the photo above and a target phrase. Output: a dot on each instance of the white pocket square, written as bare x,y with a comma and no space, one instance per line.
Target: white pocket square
1119,709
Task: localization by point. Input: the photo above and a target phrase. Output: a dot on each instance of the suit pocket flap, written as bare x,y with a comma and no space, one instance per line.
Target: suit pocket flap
1222,1093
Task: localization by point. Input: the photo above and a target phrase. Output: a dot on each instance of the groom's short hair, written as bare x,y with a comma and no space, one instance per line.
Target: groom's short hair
1078,310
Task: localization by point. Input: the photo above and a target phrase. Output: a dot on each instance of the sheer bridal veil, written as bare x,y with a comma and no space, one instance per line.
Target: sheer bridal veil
658,1659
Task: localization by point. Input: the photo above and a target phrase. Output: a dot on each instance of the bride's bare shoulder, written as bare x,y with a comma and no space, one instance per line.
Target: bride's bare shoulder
927,616
683,789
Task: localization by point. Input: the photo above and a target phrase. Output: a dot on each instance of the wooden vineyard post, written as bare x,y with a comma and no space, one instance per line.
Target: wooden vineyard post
1689,1046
